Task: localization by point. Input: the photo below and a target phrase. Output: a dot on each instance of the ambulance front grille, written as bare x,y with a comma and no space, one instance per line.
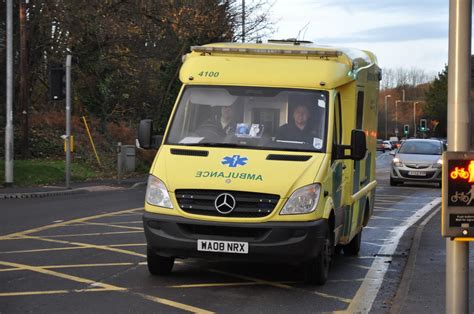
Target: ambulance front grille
247,204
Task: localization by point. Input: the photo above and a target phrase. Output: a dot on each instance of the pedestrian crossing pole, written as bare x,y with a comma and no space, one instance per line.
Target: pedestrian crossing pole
68,121
459,140
9,148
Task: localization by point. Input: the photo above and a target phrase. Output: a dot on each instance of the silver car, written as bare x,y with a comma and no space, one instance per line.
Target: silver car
417,160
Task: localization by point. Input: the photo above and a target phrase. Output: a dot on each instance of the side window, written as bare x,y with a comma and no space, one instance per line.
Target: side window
360,109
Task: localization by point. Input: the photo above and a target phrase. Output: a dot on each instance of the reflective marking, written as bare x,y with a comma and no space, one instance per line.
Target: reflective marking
178,305
365,296
65,223
89,246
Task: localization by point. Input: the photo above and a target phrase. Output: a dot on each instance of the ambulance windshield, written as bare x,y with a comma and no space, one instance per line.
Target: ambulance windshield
251,117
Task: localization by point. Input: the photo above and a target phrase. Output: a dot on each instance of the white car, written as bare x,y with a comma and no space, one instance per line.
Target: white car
417,160
387,145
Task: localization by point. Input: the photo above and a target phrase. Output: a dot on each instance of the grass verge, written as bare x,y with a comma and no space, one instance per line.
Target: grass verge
46,171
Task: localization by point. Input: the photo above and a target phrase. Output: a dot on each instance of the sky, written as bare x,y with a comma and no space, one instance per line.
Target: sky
401,33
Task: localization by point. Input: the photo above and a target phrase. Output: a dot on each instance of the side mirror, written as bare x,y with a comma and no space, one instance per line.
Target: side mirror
146,139
145,131
358,145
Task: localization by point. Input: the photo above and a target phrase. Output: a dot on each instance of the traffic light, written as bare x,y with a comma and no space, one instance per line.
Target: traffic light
422,125
57,83
406,129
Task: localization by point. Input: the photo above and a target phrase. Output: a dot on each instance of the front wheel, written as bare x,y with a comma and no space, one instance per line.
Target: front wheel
158,265
317,269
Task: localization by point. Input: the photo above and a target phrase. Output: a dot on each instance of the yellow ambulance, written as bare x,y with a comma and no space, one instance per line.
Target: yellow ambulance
269,155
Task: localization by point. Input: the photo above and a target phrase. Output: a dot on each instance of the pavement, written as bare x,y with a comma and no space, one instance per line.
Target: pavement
75,188
423,285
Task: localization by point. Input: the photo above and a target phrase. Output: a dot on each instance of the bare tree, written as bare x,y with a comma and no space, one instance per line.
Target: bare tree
403,78
258,22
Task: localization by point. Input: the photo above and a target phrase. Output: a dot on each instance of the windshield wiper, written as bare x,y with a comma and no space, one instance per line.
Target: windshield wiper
215,145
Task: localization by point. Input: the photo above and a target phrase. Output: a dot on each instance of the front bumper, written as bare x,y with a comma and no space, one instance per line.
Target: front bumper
403,174
270,241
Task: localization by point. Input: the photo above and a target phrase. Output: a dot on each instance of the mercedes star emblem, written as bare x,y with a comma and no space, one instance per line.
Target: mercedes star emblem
225,203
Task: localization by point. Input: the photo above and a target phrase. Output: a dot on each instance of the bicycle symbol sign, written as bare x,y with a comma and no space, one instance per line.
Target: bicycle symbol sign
462,174
462,197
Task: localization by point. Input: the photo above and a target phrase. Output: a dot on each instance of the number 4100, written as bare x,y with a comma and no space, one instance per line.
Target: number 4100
209,74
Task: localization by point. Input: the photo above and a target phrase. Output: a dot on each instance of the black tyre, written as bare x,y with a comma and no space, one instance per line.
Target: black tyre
393,182
353,248
158,265
317,269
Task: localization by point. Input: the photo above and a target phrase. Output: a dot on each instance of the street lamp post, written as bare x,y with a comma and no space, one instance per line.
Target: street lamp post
396,116
386,119
414,118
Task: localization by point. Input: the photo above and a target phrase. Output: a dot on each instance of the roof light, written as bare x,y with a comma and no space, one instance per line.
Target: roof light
319,53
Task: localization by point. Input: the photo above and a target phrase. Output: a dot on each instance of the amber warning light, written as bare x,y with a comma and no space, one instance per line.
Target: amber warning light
462,174
458,194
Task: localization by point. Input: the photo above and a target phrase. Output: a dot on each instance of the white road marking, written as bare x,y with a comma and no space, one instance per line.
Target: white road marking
365,296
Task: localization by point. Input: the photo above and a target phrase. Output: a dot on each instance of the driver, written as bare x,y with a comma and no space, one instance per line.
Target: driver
218,126
297,130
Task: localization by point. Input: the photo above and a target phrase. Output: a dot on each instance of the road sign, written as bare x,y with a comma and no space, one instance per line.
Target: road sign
458,195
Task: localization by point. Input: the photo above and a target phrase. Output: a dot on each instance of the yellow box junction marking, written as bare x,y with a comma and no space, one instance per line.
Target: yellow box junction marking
88,246
103,287
60,275
65,223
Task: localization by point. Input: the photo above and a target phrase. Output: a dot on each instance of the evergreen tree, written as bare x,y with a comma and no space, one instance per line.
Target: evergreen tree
437,102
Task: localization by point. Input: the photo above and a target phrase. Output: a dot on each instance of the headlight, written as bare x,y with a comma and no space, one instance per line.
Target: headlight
438,164
397,162
157,194
302,201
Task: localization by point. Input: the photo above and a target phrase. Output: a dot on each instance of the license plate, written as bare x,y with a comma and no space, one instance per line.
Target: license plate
223,246
417,173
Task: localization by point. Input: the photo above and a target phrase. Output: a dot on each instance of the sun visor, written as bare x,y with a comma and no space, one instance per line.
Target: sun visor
212,97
